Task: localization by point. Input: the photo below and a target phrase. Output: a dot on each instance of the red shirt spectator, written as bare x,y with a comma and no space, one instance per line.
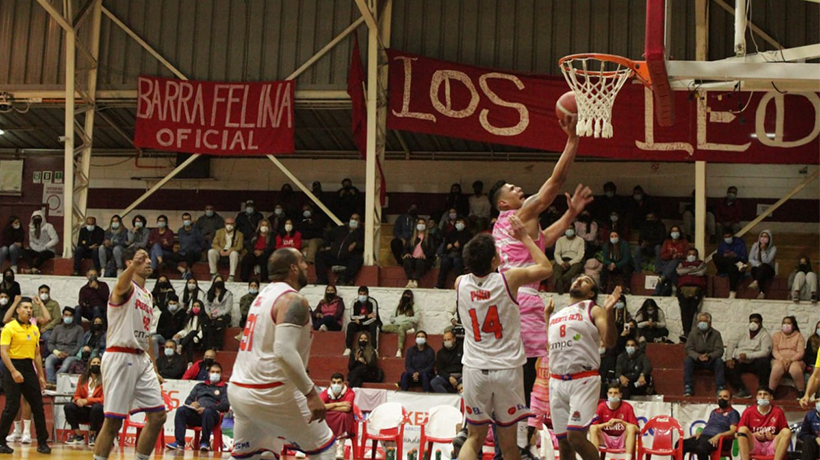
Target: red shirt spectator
292,240
772,421
674,249
261,243
165,239
623,412
338,399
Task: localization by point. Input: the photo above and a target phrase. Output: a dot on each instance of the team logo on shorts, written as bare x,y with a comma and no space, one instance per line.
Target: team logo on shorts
576,416
469,409
511,410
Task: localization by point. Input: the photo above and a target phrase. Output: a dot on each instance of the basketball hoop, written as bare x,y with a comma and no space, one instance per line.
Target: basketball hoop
596,80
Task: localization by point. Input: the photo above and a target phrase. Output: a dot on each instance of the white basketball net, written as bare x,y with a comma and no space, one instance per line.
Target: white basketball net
595,89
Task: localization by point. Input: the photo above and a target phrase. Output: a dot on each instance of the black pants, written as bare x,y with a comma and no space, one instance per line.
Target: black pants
190,258
190,343
762,367
397,248
530,373
93,416
326,259
353,329
631,390
726,265
328,321
214,332
688,309
414,268
36,259
447,262
763,275
30,389
81,253
186,417
361,374
651,333
700,446
811,451
248,263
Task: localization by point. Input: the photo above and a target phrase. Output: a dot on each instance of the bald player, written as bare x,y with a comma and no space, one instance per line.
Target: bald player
273,398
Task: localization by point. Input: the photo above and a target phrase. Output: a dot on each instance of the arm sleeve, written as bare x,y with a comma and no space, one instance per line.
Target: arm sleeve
285,353
753,260
690,345
430,361
626,256
52,339
190,373
776,346
579,253
647,366
93,400
801,348
192,395
765,348
666,250
223,405
78,392
440,366
771,255
408,362
700,270
340,309
718,351
620,366
742,254
661,318
78,341
53,238
642,323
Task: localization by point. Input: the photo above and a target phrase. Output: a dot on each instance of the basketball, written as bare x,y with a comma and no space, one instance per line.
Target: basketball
566,105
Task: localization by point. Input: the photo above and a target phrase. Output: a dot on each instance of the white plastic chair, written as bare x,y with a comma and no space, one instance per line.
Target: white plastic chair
442,426
385,423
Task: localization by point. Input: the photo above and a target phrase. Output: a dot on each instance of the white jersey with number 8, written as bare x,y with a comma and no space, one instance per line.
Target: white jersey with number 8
256,362
574,340
492,323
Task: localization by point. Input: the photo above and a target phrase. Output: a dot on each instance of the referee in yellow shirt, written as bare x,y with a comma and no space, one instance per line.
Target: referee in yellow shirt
20,350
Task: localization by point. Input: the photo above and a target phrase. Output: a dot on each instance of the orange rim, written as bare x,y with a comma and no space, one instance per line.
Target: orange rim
638,68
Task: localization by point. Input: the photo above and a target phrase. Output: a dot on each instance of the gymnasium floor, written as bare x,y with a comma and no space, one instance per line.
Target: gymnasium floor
64,452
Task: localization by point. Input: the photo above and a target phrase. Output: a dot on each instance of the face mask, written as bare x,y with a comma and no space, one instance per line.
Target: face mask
459,226
764,241
306,213
195,310
288,228
97,327
162,224
44,297
68,320
215,378
602,351
95,370
263,229
754,327
138,224
723,403
37,221
703,326
330,295
169,352
85,355
191,287
817,331
731,196
209,213
172,307
637,196
115,225
614,240
253,291
186,222
620,305
362,298
354,224
92,278
650,311
249,209
420,340
229,228
4,301
336,388
90,228
728,240
278,211
569,232
609,193
786,328
9,278
675,235
421,227
219,285
691,258
613,218
15,226
763,402
208,362
448,344
630,351
817,406
613,399
362,343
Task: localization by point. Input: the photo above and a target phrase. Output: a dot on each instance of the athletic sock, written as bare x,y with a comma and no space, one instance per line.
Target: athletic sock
100,457
27,427
18,429
143,456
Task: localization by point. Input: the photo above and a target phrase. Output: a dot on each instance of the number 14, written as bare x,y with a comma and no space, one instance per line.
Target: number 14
492,325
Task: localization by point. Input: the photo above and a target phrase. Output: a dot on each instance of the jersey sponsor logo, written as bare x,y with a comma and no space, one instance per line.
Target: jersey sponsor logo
143,306
572,317
561,344
479,295
242,445
576,416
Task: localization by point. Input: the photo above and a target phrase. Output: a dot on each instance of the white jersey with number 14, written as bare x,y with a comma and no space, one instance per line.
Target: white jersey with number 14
492,323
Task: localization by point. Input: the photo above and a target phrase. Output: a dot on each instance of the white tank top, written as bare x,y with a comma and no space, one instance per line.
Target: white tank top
574,340
492,323
257,362
129,323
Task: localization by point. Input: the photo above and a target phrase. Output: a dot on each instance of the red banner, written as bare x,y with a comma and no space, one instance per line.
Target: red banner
215,118
449,99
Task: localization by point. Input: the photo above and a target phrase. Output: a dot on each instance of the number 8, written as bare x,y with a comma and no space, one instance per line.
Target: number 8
563,330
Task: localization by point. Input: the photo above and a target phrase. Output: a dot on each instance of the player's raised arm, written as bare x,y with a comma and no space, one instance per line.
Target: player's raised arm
122,289
575,204
517,277
604,318
539,202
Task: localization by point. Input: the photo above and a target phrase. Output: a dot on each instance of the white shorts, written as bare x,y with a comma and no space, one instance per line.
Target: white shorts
573,403
130,385
267,420
494,396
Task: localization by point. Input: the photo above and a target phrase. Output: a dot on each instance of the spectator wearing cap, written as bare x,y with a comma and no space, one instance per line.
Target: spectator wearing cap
209,223
65,342
248,221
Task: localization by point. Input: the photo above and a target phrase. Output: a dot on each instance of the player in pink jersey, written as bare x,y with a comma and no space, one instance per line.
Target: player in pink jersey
129,371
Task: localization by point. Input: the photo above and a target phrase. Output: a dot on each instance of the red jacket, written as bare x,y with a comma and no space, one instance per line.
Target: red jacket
82,392
681,247
293,240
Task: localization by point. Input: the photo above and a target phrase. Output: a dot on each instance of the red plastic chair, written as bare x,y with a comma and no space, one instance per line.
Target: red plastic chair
441,427
140,425
663,442
217,434
385,423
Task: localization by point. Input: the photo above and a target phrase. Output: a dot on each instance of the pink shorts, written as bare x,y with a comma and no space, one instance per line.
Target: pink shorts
541,410
762,449
614,442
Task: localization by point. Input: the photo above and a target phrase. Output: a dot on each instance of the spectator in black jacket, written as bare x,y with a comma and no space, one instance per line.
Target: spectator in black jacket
418,365
88,244
652,235
364,316
247,222
448,365
202,408
363,365
312,228
171,365
11,242
346,250
451,257
633,370
171,320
